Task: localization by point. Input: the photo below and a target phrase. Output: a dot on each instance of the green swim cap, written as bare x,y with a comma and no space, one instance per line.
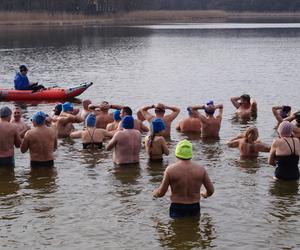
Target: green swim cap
184,150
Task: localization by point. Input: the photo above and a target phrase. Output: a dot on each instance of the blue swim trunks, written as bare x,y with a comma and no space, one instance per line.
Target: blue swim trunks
178,210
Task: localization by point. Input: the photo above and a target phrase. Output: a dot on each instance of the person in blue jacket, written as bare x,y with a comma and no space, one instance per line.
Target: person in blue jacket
22,82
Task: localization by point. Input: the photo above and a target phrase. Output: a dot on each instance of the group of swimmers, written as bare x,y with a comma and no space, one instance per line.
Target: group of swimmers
185,176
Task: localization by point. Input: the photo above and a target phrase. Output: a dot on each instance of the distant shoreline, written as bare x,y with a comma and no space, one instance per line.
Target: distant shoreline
142,18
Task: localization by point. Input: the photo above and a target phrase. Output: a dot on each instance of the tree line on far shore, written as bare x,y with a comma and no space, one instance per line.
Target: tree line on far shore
114,6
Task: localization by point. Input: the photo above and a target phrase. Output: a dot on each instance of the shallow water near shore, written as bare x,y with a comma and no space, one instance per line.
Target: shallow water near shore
86,202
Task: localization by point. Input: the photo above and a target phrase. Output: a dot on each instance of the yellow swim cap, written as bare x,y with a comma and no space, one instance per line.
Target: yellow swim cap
184,150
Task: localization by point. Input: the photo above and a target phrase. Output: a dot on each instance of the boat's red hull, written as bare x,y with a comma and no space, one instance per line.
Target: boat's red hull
43,95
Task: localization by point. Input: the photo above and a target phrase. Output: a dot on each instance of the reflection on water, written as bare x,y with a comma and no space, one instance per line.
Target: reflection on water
188,233
177,65
43,180
8,182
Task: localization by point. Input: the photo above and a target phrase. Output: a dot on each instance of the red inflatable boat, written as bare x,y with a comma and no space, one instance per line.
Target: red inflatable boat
49,94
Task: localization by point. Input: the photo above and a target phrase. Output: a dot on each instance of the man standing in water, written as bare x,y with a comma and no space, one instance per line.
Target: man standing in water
210,124
190,124
17,120
185,178
126,143
9,137
138,124
41,142
160,110
64,122
245,106
102,113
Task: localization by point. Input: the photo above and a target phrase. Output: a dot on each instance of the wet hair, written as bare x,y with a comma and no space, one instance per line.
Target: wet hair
209,111
285,111
127,110
246,98
159,110
251,134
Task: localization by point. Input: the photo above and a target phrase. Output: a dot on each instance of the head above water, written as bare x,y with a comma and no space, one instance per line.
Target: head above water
5,112
285,111
251,134
184,150
90,120
17,113
86,103
117,116
245,99
23,69
39,118
126,111
209,108
104,106
159,110
128,122
285,129
157,125
67,107
57,109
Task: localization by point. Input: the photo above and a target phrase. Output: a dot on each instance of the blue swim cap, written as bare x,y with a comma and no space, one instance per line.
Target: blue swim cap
39,118
67,106
90,120
157,125
210,102
128,122
117,116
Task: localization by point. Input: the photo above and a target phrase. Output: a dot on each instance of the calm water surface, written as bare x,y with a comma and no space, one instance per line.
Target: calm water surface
86,202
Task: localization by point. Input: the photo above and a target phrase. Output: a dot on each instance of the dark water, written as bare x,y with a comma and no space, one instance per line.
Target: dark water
88,203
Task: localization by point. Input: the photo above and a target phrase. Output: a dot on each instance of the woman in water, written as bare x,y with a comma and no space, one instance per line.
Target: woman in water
155,143
248,143
92,137
284,153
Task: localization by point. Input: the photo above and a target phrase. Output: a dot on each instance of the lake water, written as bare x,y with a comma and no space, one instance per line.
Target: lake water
86,202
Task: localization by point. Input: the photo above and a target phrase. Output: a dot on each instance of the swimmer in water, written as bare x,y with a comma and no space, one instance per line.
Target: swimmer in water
190,124
210,124
160,110
284,153
91,137
155,144
41,141
249,143
185,178
126,143
246,107
281,112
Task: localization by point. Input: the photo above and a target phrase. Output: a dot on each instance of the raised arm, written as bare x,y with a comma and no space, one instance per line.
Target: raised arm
220,108
174,114
208,186
275,112
235,101
254,107
163,188
145,112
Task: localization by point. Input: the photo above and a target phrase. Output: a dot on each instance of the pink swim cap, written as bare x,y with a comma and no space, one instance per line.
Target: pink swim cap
285,129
